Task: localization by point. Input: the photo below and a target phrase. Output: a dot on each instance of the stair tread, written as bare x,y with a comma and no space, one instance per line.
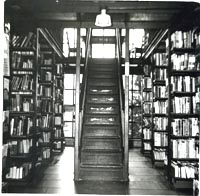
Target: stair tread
101,137
102,150
117,166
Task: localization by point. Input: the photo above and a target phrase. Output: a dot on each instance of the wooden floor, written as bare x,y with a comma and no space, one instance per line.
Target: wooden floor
57,178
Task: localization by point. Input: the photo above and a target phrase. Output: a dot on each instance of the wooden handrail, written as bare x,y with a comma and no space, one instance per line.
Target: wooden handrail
85,74
52,42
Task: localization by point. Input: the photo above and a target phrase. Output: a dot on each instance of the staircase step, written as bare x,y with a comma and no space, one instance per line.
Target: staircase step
102,109
114,173
102,74
102,90
101,131
102,99
101,157
102,82
101,144
103,119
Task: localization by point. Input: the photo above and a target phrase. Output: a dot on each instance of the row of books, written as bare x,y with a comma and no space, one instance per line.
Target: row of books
159,91
44,105
58,120
183,83
147,82
22,59
20,126
147,108
160,107
183,61
59,94
19,104
160,74
147,122
22,83
160,123
58,108
159,154
59,69
147,146
45,121
160,59
185,127
18,147
160,139
182,39
46,75
46,153
185,148
147,133
197,38
59,83
57,145
183,105
46,137
58,133
184,170
27,40
44,91
147,96
19,172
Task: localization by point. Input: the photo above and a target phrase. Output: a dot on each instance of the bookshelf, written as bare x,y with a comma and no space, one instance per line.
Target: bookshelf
146,111
197,98
58,143
45,101
22,106
135,112
183,119
159,103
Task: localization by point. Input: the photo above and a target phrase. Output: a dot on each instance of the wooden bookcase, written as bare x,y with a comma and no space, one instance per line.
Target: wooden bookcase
146,111
159,104
58,143
22,117
45,98
183,119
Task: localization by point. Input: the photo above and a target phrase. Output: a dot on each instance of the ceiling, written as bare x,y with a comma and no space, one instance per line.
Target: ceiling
130,14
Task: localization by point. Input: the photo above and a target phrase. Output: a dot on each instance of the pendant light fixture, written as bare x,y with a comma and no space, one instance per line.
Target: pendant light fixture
103,19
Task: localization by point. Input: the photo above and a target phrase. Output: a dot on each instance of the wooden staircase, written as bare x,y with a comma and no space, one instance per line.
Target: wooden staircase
101,152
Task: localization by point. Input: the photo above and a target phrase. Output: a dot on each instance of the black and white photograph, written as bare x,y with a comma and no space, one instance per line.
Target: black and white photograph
100,97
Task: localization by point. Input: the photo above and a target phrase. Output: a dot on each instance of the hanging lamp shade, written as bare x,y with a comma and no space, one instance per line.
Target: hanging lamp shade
103,19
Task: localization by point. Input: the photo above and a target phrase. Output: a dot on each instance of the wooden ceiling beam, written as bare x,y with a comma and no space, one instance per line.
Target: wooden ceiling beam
131,25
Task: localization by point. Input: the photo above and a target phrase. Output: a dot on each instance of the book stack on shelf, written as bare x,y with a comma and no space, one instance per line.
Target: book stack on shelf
146,110
45,106
159,102
22,117
183,116
58,144
197,109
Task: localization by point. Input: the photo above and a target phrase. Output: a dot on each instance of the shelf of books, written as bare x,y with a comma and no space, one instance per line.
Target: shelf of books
183,114
45,99
159,102
58,143
22,105
146,111
197,98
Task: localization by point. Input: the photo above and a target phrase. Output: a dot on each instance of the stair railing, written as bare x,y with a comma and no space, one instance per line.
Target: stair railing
121,88
84,84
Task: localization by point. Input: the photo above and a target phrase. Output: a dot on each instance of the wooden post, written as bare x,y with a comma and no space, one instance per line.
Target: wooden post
77,103
1,71
126,155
